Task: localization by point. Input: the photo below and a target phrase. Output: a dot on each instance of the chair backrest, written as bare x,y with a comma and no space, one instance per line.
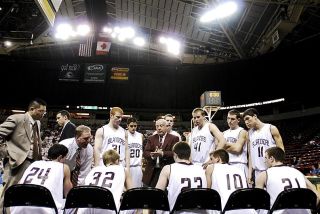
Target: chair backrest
295,198
249,198
197,199
28,195
90,197
145,198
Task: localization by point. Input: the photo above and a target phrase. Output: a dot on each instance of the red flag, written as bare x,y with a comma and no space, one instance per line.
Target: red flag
103,44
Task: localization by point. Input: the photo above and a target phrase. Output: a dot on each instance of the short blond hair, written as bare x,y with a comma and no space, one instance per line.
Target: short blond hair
110,156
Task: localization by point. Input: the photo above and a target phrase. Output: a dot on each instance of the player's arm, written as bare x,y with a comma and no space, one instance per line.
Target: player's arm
128,182
236,148
276,136
127,152
163,178
97,146
209,171
220,141
261,180
67,185
250,169
313,189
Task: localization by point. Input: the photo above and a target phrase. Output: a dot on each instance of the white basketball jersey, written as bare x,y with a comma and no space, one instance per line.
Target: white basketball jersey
260,141
232,136
135,148
183,175
113,139
280,178
48,174
111,177
202,143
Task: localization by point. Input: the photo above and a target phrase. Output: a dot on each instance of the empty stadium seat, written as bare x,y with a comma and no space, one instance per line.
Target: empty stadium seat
144,198
197,199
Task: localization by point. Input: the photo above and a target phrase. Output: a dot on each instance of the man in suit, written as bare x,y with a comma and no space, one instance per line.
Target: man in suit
21,135
68,128
158,153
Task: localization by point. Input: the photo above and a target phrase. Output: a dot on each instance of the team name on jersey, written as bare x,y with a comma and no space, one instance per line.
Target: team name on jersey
199,138
260,142
231,139
116,140
135,145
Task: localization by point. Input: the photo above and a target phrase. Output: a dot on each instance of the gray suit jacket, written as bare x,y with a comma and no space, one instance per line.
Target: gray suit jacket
16,134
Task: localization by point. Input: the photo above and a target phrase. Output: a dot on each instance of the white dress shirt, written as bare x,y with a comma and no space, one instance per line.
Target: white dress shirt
86,156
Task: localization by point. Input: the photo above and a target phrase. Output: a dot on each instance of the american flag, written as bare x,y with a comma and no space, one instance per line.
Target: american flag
85,47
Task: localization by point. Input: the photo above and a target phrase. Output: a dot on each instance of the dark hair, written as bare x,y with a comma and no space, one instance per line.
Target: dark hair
222,154
64,113
277,153
251,112
131,120
56,150
36,103
235,112
182,149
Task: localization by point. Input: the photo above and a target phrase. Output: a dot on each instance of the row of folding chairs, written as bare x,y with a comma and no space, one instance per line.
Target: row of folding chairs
156,199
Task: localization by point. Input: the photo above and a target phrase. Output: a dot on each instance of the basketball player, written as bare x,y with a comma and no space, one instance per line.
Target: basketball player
225,178
236,141
54,175
135,140
261,136
181,175
279,177
111,136
112,176
204,138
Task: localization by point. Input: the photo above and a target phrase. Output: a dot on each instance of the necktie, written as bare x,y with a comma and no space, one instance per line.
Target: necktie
160,142
76,171
36,147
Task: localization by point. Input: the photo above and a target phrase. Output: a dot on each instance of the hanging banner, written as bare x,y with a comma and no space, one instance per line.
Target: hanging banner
119,73
69,72
94,73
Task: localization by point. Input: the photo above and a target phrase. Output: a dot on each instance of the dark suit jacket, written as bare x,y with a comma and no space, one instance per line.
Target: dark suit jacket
149,178
68,131
16,132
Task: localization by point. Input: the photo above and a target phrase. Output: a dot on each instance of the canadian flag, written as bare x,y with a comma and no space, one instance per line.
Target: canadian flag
103,44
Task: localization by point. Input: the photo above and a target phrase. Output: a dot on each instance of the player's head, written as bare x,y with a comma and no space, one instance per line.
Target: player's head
274,155
250,117
116,114
233,118
57,152
198,116
181,150
111,157
219,156
132,125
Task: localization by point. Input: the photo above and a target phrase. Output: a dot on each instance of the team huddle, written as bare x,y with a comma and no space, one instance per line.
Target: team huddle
224,161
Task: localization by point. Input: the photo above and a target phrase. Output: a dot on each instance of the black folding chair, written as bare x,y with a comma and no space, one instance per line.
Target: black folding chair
249,198
144,198
90,197
295,198
28,195
197,199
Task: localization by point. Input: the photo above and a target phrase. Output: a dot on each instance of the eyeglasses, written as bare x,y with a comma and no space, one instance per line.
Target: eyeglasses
131,126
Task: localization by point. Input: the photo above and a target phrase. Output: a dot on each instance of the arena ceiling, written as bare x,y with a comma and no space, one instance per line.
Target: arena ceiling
259,27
